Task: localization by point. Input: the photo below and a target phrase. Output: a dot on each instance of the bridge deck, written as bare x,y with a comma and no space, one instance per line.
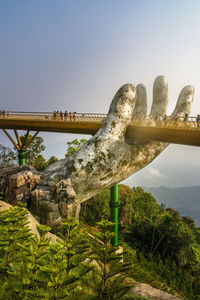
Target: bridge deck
169,130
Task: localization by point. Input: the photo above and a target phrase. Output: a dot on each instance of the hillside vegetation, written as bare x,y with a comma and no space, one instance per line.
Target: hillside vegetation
184,199
164,245
161,248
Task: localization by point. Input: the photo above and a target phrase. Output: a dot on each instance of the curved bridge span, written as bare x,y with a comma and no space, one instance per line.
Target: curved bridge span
165,129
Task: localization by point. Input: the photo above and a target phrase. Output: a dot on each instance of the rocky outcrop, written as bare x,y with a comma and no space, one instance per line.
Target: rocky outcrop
107,158
51,202
16,183
49,205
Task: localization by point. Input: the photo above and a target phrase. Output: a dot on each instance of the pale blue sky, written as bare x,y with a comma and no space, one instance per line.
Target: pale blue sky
75,55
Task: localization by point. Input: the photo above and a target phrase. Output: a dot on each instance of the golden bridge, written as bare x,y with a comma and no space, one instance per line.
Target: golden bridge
177,130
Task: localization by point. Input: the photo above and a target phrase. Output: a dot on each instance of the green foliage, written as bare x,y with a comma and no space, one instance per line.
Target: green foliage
34,150
13,230
98,207
106,279
7,157
1,195
162,245
33,153
74,146
160,248
52,160
40,163
74,243
33,268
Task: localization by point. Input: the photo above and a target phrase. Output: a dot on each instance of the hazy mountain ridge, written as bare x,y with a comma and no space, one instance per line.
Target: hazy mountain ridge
186,200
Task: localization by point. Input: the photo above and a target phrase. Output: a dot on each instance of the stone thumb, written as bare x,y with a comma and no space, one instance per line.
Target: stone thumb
121,111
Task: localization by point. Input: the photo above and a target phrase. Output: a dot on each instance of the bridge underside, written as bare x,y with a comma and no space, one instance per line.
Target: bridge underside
78,127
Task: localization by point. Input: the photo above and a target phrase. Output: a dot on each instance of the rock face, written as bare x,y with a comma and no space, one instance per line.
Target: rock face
107,158
53,201
17,182
48,204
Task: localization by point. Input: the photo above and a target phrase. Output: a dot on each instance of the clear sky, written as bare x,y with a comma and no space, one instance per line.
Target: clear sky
74,55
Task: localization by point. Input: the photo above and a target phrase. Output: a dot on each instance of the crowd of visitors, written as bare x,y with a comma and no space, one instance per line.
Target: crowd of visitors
59,115
3,112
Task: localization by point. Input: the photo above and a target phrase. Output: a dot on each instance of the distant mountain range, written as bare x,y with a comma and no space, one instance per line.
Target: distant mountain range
186,200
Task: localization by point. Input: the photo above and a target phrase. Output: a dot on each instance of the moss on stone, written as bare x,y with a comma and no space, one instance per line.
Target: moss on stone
56,178
113,124
72,169
89,167
111,155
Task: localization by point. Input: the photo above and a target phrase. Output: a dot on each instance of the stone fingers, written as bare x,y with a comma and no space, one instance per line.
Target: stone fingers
184,101
160,96
141,100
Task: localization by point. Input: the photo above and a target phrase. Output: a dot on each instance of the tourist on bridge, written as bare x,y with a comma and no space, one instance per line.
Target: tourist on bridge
198,120
176,119
61,115
186,117
65,114
57,115
156,117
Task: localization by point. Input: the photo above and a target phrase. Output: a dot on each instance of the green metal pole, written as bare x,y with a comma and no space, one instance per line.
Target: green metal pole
114,211
22,157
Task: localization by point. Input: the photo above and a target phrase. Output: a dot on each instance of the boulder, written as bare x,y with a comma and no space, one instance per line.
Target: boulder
146,290
17,182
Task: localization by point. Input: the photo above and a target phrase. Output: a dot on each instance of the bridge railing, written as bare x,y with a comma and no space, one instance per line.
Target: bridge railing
57,116
138,120
165,121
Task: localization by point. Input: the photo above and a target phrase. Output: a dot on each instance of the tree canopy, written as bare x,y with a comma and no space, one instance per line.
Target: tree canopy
7,157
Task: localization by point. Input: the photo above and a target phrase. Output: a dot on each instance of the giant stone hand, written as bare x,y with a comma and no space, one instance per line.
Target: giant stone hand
108,157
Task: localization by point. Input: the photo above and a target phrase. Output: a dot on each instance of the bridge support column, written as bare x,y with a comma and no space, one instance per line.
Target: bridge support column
114,212
22,157
22,144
